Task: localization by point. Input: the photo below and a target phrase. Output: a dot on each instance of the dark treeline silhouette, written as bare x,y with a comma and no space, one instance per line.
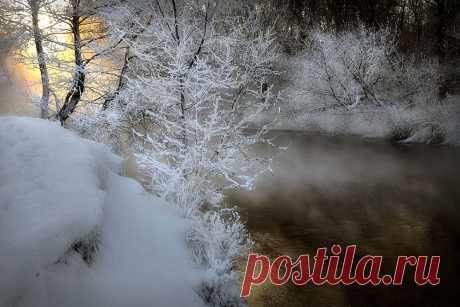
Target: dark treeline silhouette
422,27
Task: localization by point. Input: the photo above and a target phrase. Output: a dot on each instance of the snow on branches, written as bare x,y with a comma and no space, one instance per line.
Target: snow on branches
194,81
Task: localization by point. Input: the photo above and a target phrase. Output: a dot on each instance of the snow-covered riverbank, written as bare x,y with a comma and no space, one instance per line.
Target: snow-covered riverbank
59,193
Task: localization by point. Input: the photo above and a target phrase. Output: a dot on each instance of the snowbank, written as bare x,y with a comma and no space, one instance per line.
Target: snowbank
57,189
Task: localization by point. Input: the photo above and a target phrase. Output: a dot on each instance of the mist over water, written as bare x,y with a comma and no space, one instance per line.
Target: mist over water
388,199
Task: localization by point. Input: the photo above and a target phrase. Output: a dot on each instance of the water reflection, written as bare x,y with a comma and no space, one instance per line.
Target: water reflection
389,200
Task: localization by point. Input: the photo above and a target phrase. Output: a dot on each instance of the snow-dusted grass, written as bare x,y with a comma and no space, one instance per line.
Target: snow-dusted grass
57,189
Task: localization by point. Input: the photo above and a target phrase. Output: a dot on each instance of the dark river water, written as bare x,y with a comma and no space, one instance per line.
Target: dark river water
387,199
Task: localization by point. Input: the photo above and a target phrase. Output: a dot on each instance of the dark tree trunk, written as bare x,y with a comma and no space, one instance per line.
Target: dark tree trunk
77,89
441,30
35,7
121,81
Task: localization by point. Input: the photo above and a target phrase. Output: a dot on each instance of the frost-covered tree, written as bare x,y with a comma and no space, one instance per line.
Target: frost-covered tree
34,6
23,16
87,32
74,17
195,80
68,38
70,48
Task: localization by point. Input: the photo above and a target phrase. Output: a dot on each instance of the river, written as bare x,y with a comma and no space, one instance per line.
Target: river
387,199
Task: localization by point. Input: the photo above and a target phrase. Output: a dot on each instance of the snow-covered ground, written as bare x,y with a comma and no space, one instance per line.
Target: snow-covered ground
57,189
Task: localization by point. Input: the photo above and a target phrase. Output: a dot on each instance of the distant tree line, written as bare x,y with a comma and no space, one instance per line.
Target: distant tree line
421,27
431,26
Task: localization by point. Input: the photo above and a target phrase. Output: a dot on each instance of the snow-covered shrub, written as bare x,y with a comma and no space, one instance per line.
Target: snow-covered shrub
102,127
409,80
346,69
218,239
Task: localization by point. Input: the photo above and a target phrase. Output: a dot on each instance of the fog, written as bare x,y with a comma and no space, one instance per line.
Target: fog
388,199
14,99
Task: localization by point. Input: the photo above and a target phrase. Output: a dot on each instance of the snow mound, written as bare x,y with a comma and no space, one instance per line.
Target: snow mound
57,189
429,133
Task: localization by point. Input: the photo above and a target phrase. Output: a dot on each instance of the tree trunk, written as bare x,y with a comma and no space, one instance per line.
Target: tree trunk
75,93
441,30
122,78
35,6
121,81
